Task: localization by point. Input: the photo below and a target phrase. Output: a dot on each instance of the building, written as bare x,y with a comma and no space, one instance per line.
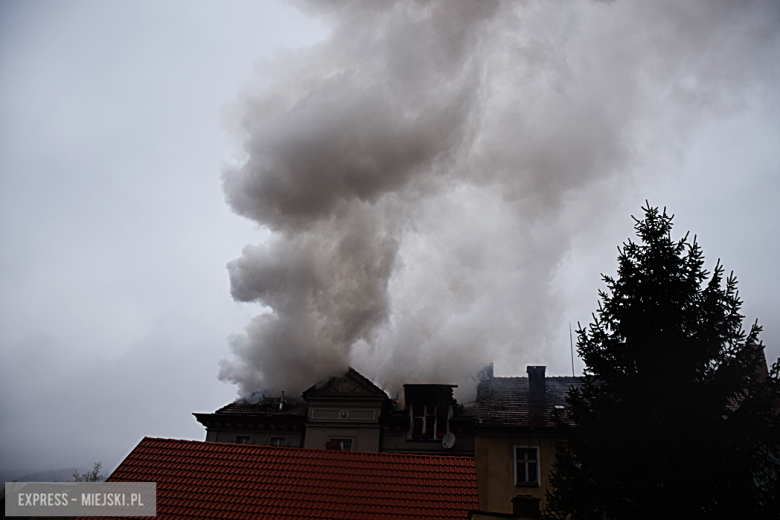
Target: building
228,481
515,438
509,429
352,413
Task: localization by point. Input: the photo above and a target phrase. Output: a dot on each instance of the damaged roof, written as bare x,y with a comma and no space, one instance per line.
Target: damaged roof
506,402
351,384
230,481
243,414
266,406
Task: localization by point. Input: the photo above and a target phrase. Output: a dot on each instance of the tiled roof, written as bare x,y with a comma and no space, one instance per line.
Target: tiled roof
231,481
505,402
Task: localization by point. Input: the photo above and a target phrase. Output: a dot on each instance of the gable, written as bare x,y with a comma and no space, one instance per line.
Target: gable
352,385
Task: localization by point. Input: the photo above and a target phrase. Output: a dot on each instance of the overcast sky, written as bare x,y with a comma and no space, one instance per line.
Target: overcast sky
201,199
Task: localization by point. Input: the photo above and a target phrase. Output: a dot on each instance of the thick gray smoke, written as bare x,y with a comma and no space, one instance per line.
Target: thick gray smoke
423,170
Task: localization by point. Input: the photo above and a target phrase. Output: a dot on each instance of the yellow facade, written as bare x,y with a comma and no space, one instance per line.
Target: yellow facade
495,455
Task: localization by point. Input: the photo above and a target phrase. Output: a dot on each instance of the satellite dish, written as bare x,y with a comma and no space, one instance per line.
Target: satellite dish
448,441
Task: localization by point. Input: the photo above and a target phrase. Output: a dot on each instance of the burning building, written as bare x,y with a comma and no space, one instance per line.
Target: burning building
509,428
349,413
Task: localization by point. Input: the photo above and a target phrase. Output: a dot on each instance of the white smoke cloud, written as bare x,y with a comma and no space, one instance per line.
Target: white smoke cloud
421,170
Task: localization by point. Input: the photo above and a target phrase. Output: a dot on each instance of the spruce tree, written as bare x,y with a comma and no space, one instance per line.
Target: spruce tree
677,415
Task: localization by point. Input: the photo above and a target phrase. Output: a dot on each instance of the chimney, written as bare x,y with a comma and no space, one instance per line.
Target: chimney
536,384
486,374
526,506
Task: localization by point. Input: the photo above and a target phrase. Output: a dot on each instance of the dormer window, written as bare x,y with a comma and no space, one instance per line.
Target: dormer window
424,421
429,408
344,444
428,421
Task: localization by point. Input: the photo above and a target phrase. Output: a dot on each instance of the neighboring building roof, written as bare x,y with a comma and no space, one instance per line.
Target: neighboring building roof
506,402
231,481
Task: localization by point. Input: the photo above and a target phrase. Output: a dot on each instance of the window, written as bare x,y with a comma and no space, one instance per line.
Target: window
278,441
526,465
346,444
242,439
428,422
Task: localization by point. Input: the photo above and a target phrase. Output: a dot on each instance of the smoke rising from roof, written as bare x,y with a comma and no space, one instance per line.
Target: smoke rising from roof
423,170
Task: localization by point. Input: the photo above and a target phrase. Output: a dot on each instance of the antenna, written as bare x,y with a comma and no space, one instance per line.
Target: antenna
571,343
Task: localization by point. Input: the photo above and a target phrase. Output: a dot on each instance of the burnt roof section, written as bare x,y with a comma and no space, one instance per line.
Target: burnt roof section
266,406
351,385
507,402
258,409
429,394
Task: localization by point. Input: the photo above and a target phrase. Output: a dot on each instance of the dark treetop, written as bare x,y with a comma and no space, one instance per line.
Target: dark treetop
677,415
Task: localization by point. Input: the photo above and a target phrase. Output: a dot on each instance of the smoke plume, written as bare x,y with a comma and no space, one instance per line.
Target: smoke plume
423,170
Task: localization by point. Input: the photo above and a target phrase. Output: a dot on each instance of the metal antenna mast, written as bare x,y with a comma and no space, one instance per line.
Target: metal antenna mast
571,343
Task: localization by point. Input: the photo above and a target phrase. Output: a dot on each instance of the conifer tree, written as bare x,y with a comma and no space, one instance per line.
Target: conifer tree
90,476
677,415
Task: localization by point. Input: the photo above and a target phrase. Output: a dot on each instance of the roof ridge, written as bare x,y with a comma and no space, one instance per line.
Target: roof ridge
225,445
359,378
364,378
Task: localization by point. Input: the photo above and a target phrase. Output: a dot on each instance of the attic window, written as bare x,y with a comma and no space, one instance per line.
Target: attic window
242,439
277,441
346,444
527,466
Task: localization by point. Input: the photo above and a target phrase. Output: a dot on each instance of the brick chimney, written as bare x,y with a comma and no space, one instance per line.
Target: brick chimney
536,385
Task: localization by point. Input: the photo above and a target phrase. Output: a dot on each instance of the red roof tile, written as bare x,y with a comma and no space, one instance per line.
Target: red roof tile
230,481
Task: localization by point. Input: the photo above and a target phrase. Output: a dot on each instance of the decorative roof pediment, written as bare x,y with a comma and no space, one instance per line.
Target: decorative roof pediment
351,385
